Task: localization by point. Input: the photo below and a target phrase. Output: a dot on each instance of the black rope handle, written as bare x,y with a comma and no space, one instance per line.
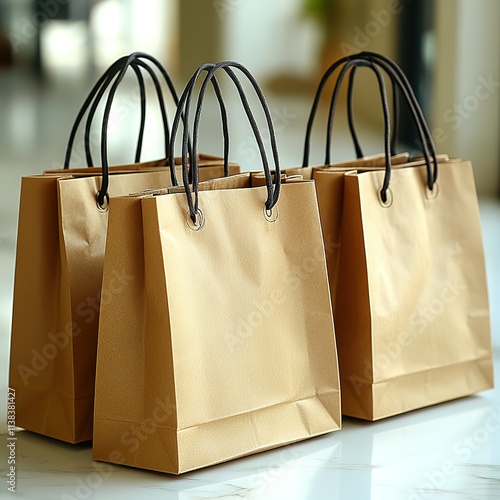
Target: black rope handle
185,102
186,96
428,145
105,79
349,66
352,127
102,194
390,68
333,106
315,106
185,99
225,135
395,79
273,193
350,118
135,65
133,60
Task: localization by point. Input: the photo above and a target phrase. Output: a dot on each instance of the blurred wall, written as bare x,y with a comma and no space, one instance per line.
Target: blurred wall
268,37
377,31
201,37
466,109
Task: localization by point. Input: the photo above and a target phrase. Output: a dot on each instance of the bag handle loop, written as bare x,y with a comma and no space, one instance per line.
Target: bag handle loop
350,66
102,195
352,126
375,66
121,65
428,147
398,76
273,188
135,65
104,80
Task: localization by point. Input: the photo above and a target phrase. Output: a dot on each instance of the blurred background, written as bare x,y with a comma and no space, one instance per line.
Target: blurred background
52,51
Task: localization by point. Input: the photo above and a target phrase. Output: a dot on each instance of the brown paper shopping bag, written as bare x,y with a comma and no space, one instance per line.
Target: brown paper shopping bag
222,344
57,291
60,251
412,317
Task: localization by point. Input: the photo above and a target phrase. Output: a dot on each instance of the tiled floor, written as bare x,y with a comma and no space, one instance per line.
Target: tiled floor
390,459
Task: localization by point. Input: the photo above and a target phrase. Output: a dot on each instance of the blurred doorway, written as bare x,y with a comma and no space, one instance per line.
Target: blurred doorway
416,55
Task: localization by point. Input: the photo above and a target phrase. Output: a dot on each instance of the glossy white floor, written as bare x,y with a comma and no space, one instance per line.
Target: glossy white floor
447,451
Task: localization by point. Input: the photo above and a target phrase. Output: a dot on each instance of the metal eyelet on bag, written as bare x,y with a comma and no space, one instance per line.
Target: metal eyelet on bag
432,194
200,220
389,200
105,206
271,215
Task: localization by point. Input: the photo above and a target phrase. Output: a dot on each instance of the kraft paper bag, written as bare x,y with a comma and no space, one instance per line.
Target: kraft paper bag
57,290
57,294
329,181
412,320
223,344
